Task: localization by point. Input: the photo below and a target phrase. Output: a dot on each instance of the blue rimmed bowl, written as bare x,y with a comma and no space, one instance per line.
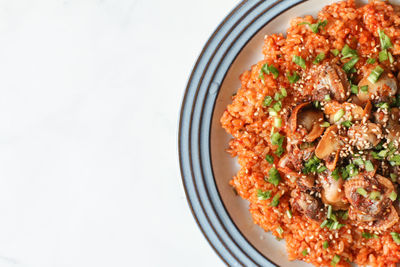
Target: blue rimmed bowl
205,166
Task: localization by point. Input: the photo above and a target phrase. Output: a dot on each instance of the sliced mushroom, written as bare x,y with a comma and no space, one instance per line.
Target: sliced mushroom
332,81
307,205
329,147
306,122
332,191
365,136
382,90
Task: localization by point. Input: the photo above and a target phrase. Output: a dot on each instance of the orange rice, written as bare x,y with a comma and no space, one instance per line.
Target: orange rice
250,125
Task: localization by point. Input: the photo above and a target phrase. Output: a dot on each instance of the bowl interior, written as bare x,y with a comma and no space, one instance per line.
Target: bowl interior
224,166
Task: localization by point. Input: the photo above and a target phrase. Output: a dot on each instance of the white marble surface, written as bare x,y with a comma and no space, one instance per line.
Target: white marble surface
90,96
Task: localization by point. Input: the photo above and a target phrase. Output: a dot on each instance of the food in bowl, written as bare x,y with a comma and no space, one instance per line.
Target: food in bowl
316,131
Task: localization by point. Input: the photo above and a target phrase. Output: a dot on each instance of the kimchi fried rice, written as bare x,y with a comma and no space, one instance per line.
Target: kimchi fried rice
316,131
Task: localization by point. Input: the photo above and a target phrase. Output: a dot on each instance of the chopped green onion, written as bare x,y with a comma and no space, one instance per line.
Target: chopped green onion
350,64
321,169
383,55
385,40
348,52
371,61
352,170
367,235
327,98
277,106
396,237
335,174
354,89
283,92
383,105
315,27
325,124
335,52
277,139
272,112
375,195
345,215
279,151
289,214
338,115
375,74
324,223
394,160
362,191
325,245
312,165
317,104
393,196
293,78
304,252
279,230
263,195
369,167
335,260
299,61
269,159
270,69
364,88
391,59
275,200
319,58
329,213
347,124
393,177
267,101
278,122
358,161
278,96
274,176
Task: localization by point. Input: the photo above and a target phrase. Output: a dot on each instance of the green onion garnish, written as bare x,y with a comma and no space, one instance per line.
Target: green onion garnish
383,55
396,237
319,58
375,195
335,174
393,177
375,74
277,139
335,52
315,27
391,59
278,122
327,98
274,176
304,252
269,159
362,192
289,214
299,61
354,89
393,196
358,161
338,115
364,88
369,167
272,112
347,124
275,200
277,106
350,64
270,69
267,101
263,195
329,213
382,105
279,230
385,40
335,260
371,61
293,78
325,124
325,245
348,52
283,92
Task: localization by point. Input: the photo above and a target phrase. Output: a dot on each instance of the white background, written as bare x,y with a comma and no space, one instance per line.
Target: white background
89,106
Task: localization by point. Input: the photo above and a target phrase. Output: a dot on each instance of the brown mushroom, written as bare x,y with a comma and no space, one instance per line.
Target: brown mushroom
332,81
329,147
365,136
305,121
382,90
